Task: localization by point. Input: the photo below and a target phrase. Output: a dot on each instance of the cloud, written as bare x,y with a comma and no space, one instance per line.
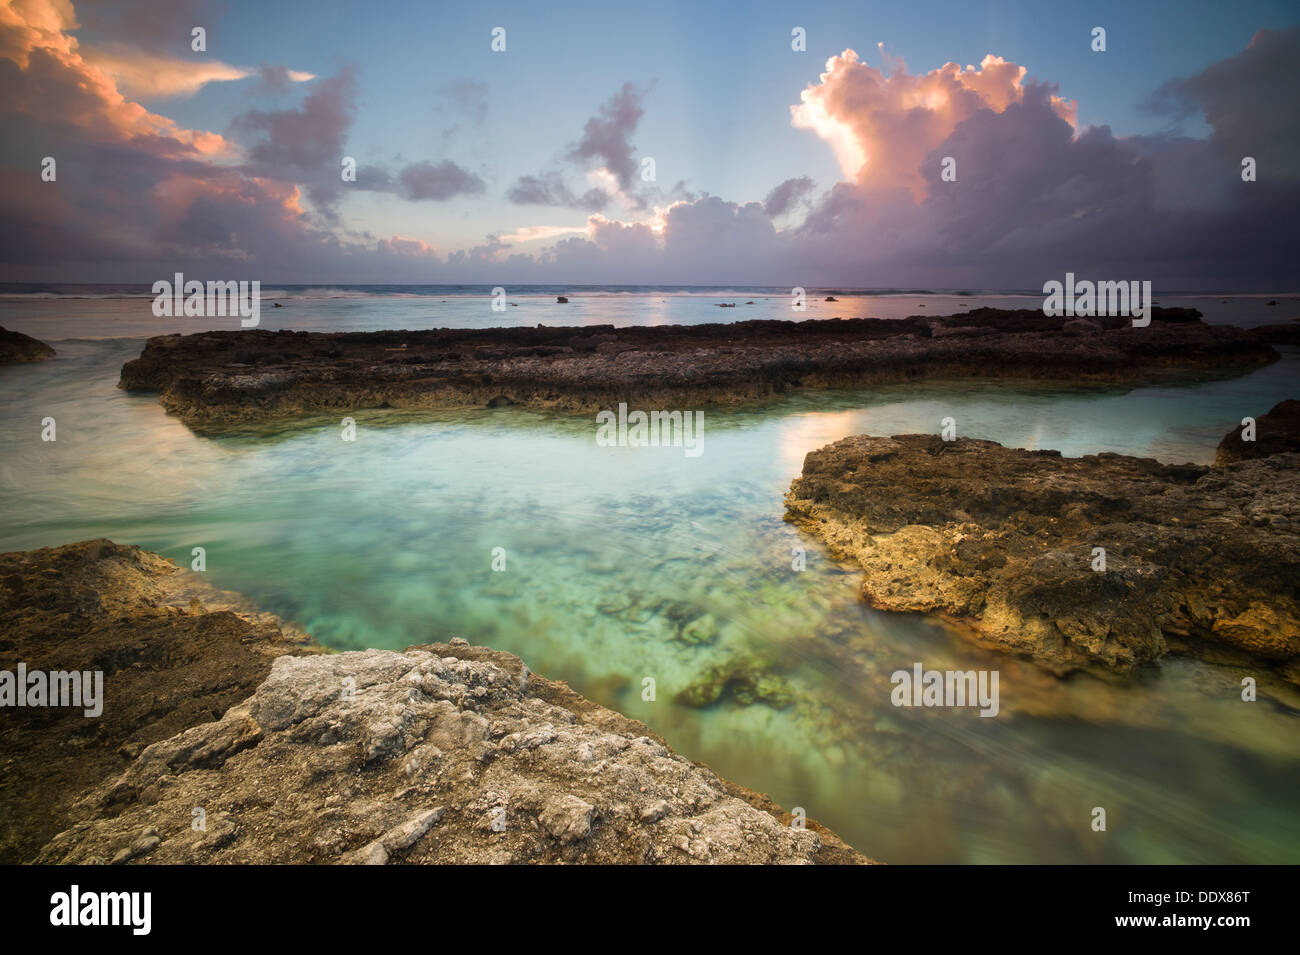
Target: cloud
44,78
299,139
442,181
607,136
468,98
140,195
1034,195
1249,100
549,189
307,143
143,46
881,125
145,24
533,233
781,199
278,79
605,152
406,248
153,77
148,76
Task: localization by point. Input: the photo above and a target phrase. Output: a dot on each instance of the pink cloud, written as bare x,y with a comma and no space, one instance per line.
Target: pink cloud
882,124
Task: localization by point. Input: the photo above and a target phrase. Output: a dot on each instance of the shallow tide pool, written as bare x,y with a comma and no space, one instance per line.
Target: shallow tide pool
617,560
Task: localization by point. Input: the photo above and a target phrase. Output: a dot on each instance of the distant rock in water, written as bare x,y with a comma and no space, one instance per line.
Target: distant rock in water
15,347
445,753
561,300
830,298
218,379
1277,432
1285,334
1005,541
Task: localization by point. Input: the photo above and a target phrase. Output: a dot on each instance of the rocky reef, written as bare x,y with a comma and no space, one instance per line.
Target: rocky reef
173,653
1287,333
213,380
224,739
16,347
1277,432
1104,561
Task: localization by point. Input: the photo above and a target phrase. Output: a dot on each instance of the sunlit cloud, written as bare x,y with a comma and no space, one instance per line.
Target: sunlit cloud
152,77
532,233
882,123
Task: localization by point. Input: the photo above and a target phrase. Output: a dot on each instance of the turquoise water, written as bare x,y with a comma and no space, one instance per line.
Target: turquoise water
614,555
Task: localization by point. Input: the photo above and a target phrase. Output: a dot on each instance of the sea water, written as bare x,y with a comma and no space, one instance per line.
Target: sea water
617,559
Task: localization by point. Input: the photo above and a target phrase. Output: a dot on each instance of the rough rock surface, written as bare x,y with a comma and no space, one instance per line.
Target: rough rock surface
173,652
1283,334
16,347
439,754
294,754
213,380
1277,432
1198,559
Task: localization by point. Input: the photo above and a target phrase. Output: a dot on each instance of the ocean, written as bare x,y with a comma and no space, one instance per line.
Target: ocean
388,541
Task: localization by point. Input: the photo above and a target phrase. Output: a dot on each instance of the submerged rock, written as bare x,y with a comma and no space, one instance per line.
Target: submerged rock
741,681
15,347
1009,542
218,745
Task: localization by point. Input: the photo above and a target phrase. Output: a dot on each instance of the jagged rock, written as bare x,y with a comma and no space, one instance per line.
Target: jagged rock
528,771
174,652
1284,334
15,347
1003,541
1277,432
214,380
372,757
567,818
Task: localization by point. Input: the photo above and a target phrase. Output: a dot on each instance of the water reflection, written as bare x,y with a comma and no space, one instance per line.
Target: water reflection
625,563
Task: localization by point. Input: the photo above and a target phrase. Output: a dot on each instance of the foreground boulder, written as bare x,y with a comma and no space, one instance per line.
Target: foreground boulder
1005,542
173,653
440,754
16,347
214,380
226,736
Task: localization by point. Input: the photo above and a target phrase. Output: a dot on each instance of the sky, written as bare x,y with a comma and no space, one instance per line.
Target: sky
671,143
